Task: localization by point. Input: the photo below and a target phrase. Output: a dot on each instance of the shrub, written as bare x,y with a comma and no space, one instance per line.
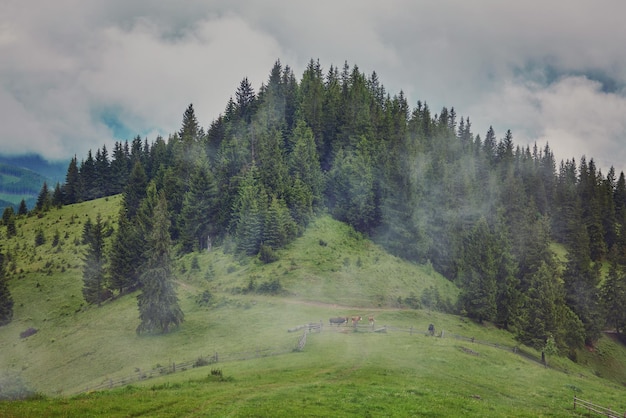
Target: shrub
267,254
28,332
273,287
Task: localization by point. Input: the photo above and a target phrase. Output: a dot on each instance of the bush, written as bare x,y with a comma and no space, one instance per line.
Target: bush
204,299
267,254
28,332
272,287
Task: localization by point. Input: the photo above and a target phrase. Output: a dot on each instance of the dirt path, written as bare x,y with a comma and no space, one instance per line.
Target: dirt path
337,306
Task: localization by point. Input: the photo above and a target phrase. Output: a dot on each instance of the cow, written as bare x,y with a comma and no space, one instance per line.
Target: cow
338,320
371,319
355,320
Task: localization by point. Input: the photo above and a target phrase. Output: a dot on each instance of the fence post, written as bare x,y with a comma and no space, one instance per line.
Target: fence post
411,333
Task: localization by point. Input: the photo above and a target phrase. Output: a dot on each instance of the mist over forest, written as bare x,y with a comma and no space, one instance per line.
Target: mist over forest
485,213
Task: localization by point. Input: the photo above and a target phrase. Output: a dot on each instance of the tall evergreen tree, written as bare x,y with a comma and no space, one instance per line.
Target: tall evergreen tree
135,190
249,213
72,188
125,255
8,219
613,293
6,300
199,216
158,303
44,199
190,131
93,270
478,273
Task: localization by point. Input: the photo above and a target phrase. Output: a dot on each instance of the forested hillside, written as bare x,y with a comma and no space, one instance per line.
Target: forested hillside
484,212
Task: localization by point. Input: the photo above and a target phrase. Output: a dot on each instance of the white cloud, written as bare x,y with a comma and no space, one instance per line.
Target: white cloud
529,66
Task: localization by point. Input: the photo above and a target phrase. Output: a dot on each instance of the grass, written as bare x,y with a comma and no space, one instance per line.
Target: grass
329,271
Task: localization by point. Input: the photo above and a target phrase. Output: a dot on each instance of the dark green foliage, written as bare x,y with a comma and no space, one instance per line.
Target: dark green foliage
6,300
199,215
267,255
22,209
93,270
249,213
483,212
8,219
613,292
40,237
44,200
478,273
158,303
125,256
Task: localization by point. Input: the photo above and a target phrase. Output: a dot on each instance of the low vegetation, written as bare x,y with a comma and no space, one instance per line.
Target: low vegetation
330,271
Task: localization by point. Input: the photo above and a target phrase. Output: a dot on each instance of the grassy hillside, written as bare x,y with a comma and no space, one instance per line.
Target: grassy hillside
329,271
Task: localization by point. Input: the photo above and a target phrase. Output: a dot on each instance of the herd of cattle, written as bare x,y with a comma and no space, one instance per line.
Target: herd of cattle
345,320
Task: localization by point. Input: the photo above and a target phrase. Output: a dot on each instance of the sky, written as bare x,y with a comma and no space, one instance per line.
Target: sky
77,74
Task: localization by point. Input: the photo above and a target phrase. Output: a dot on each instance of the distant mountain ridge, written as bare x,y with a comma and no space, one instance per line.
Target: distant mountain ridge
21,177
53,171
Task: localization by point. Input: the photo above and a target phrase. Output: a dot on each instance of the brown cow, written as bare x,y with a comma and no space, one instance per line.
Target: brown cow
371,319
355,320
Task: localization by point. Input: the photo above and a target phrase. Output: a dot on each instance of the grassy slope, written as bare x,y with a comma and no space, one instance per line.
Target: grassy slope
337,374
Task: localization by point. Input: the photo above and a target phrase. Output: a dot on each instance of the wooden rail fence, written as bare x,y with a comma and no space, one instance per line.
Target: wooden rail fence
596,409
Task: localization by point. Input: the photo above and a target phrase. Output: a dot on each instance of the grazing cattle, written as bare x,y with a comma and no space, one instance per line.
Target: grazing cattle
371,319
338,320
355,320
431,329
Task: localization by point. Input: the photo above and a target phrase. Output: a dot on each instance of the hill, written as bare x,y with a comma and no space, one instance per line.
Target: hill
329,271
21,177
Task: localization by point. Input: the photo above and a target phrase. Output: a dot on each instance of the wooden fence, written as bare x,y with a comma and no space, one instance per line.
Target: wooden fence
596,409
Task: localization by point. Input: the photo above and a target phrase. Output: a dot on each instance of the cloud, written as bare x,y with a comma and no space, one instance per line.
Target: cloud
78,74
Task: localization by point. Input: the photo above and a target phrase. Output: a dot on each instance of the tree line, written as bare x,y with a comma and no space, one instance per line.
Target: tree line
486,213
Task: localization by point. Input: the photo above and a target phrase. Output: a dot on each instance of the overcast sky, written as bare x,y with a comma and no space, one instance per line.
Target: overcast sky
76,74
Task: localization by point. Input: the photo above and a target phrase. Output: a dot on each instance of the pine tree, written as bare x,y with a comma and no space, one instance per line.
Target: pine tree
478,273
158,303
125,256
6,300
93,270
135,190
199,215
249,213
22,209
72,188
43,199
190,131
89,177
245,100
613,295
8,219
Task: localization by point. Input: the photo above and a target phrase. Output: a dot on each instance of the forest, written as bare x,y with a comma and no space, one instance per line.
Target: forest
485,213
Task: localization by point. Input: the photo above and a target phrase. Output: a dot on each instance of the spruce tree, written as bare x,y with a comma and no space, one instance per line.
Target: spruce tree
125,256
72,188
613,295
8,219
199,214
6,300
22,209
190,131
249,213
478,273
93,270
43,199
158,303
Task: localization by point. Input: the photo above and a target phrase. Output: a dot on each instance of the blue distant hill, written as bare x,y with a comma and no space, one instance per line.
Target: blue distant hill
21,177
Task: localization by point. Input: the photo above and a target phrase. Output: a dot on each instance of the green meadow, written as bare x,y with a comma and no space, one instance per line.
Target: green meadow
65,367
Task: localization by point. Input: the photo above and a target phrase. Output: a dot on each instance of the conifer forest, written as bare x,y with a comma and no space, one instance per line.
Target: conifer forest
485,213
